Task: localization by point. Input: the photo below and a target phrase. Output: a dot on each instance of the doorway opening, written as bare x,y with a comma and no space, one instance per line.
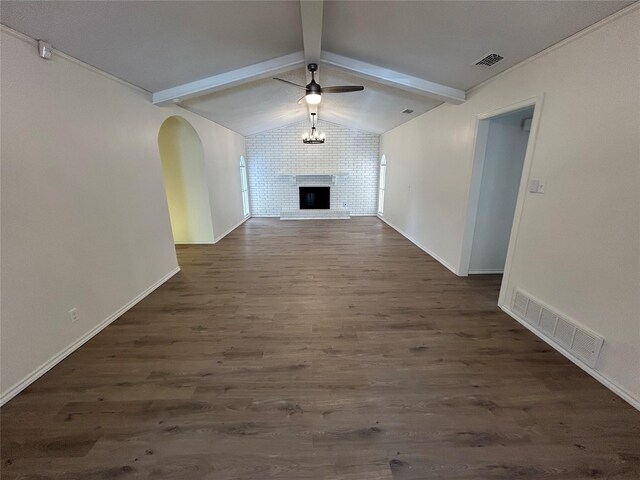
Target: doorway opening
381,184
502,143
185,182
244,186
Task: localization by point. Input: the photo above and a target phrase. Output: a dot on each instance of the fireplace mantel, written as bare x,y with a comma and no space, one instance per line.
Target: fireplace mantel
313,179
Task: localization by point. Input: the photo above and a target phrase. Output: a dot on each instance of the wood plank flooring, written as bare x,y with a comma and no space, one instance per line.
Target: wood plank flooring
318,350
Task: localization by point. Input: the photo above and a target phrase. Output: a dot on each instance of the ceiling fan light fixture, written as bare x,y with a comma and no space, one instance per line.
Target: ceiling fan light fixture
313,91
313,98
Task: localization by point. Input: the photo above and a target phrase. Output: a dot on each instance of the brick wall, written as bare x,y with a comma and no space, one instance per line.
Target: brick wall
273,155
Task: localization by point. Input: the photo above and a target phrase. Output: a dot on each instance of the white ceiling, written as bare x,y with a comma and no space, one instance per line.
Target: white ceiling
440,41
254,107
244,109
161,44
157,45
377,109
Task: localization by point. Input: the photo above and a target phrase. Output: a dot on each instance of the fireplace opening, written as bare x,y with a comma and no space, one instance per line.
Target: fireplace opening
314,198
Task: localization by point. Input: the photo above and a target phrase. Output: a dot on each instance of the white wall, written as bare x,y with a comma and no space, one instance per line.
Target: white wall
222,151
281,152
501,173
84,214
577,246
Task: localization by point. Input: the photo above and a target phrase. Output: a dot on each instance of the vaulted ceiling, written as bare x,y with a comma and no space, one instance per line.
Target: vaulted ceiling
407,54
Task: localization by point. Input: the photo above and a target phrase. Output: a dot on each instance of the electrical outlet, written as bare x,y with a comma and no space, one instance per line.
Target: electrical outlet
73,315
541,186
537,186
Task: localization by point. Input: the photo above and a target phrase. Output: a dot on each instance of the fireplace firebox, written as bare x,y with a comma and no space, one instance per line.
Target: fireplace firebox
314,198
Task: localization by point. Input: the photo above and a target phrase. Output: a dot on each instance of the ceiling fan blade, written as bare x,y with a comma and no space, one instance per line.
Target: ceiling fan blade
291,83
301,99
343,89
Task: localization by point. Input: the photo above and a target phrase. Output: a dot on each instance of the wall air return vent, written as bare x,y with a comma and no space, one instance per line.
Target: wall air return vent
533,312
488,60
586,345
566,333
548,322
520,303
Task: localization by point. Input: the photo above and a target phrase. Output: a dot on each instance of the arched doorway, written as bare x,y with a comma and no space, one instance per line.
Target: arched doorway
185,182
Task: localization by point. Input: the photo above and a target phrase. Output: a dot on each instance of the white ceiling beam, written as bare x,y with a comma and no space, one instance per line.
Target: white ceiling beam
311,15
395,79
229,79
311,12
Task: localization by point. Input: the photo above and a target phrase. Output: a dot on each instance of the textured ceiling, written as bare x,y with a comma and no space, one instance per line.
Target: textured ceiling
268,104
254,107
377,109
157,45
440,41
161,44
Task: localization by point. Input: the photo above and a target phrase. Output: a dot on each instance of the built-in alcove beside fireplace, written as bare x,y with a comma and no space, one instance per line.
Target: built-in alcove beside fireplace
315,198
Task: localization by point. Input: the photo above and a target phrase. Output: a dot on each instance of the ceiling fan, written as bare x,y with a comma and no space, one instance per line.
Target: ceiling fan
314,91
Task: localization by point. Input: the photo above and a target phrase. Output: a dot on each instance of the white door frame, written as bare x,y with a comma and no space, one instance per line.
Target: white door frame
481,122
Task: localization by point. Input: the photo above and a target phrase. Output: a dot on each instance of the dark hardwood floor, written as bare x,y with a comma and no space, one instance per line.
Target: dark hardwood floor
318,350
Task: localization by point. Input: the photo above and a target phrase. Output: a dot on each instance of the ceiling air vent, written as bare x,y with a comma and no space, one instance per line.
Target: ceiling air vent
488,60
407,111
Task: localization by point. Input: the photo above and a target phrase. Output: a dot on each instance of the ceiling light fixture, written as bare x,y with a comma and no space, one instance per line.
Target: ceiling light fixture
313,98
314,137
313,91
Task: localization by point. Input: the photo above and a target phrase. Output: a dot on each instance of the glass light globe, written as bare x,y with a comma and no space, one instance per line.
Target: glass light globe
313,98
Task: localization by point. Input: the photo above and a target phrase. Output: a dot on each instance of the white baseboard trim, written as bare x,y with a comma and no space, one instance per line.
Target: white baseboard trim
231,229
194,243
487,272
421,247
52,362
621,392
353,215
314,218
